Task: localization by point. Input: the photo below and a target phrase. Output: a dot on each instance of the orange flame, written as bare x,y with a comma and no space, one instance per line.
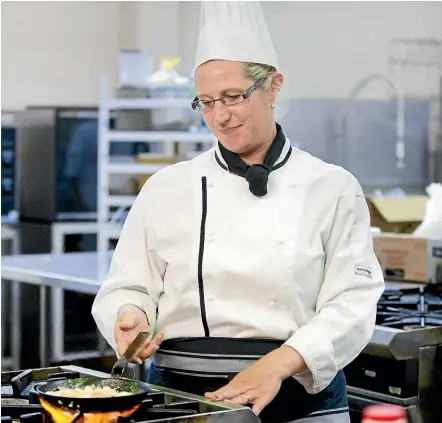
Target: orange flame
62,415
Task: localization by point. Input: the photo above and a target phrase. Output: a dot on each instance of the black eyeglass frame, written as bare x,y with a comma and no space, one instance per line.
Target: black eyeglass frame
245,95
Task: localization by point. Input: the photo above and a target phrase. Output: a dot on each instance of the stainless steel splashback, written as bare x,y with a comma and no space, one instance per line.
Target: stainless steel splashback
369,144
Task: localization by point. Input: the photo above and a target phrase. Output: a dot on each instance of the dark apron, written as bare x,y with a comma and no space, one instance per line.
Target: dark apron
290,404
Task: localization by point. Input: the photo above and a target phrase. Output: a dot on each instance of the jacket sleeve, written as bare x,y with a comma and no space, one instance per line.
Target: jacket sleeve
346,305
136,272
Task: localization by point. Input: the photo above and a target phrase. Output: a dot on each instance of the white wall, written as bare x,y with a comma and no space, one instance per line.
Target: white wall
55,52
158,28
327,47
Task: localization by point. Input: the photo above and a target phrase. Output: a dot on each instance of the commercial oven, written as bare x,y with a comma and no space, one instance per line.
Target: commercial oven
57,155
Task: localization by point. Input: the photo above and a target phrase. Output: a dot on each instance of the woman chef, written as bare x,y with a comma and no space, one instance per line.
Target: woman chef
252,263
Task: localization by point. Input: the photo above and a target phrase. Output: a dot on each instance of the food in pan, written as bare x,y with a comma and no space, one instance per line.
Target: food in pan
88,392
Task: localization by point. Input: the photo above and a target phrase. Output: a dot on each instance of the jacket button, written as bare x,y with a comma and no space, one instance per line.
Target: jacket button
272,303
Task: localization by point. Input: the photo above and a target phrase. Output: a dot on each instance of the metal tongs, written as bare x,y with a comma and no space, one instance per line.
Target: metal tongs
123,361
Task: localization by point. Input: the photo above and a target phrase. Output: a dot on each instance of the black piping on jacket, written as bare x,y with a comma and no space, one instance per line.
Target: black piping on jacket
201,255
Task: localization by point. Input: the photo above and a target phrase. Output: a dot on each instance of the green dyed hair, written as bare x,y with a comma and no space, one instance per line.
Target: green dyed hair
259,71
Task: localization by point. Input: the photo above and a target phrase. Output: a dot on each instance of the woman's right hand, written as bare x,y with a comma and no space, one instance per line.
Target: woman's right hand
130,321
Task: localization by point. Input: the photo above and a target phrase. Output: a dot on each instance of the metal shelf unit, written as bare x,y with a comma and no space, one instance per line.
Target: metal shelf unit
109,229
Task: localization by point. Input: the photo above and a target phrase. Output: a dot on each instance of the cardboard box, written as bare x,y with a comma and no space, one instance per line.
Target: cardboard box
397,214
407,258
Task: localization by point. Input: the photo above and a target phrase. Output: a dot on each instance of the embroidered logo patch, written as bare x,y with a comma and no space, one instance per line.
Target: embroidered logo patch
362,270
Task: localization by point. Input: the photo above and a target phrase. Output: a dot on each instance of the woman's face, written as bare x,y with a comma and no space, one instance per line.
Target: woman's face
242,127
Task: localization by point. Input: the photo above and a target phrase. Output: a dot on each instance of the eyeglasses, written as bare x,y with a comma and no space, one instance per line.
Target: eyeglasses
227,100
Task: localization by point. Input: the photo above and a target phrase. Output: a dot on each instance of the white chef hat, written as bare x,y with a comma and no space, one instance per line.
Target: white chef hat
234,30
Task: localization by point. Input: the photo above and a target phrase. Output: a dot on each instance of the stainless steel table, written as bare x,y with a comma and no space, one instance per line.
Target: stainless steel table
70,271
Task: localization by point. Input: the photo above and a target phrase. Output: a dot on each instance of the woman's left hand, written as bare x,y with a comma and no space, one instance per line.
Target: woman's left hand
259,383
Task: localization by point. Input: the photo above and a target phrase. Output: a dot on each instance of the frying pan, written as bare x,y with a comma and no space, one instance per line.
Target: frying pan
138,390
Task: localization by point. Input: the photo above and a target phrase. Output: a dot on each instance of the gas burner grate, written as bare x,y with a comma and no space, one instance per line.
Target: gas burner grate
20,402
413,308
403,318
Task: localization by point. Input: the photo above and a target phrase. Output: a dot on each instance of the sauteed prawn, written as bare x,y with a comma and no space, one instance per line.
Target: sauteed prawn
88,392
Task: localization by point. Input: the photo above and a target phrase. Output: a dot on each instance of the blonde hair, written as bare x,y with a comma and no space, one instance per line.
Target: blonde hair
259,71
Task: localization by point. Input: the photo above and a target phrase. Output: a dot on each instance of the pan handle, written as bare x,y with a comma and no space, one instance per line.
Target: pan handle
122,362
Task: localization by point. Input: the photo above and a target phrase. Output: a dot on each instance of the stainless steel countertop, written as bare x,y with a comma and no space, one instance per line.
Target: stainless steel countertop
76,271
71,271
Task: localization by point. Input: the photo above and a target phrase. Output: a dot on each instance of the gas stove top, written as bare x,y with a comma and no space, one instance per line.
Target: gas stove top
20,401
411,308
402,364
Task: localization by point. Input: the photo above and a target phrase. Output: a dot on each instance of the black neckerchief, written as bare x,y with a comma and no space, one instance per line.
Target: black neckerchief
256,175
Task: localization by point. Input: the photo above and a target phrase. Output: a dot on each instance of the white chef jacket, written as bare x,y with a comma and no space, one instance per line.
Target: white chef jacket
295,265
